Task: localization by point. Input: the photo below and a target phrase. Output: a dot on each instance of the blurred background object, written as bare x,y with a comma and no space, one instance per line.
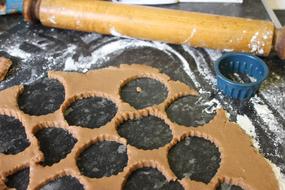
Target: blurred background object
277,4
213,1
156,2
148,2
278,7
10,6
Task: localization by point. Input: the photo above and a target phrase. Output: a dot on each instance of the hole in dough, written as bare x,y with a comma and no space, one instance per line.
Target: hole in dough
147,133
102,159
143,92
19,180
195,158
55,143
41,97
63,183
191,111
13,138
150,178
91,112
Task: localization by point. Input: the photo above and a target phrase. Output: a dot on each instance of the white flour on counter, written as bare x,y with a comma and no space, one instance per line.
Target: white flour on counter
275,93
90,37
267,116
201,64
84,63
246,124
17,52
214,54
116,47
279,176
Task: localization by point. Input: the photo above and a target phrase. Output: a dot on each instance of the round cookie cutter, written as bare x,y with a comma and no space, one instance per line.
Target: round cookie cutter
240,63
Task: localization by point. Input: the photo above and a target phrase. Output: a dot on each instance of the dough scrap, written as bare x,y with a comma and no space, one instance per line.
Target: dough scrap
240,163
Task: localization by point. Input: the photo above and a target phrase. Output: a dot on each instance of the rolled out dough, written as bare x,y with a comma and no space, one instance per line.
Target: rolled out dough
240,163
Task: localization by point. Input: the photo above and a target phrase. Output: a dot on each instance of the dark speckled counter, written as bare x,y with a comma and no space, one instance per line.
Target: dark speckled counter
14,30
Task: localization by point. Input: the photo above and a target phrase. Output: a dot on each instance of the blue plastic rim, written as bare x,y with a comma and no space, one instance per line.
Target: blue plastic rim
240,63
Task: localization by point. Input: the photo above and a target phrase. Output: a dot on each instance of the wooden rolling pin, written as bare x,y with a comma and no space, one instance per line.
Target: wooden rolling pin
171,26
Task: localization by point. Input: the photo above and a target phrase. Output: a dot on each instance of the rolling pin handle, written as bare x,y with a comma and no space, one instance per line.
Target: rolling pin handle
31,10
280,42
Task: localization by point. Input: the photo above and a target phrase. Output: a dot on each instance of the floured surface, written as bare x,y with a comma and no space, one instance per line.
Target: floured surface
35,50
245,167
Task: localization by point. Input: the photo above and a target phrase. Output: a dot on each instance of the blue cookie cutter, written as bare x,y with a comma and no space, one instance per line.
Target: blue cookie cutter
243,64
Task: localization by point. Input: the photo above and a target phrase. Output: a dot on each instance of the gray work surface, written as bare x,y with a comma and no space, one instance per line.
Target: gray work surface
35,49
281,15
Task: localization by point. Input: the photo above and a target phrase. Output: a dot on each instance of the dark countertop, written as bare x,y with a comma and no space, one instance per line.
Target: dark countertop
35,49
281,15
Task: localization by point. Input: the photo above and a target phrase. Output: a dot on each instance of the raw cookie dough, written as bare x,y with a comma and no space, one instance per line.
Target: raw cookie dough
5,64
240,165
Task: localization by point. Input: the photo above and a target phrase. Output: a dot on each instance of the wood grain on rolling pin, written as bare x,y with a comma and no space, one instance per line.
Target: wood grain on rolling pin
171,26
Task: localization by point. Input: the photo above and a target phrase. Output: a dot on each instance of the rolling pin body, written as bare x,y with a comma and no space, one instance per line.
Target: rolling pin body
171,26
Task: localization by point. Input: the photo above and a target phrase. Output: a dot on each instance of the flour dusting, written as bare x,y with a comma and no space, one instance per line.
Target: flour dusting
275,93
52,19
257,42
246,124
116,47
267,116
114,32
84,63
88,38
214,54
188,40
201,64
213,106
255,45
70,61
17,52
279,176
